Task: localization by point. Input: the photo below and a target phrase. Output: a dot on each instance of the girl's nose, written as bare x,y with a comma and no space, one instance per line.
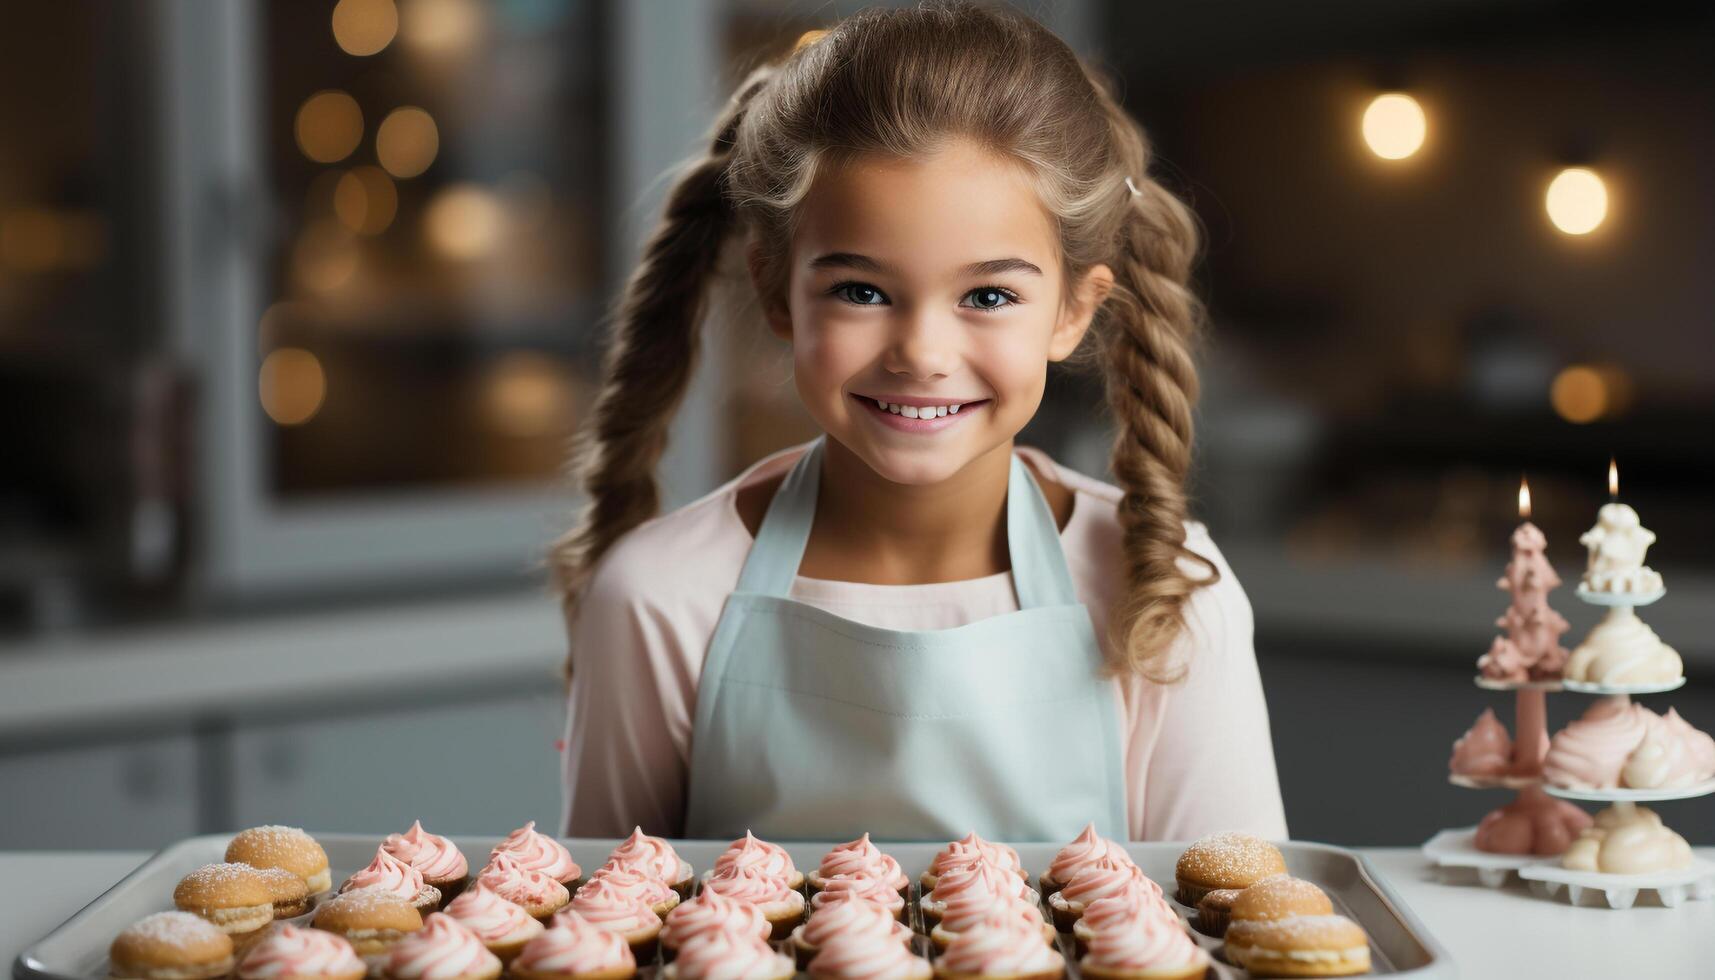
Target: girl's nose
922,347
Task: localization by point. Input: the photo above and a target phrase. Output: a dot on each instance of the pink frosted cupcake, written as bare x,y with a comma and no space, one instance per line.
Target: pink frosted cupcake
655,858
862,887
618,910
575,950
707,912
538,894
1149,949
1120,911
842,918
967,849
441,864
1002,946
971,909
1086,849
1094,882
750,851
868,956
860,857
657,893
291,953
780,905
503,926
724,955
441,950
539,852
396,878
985,878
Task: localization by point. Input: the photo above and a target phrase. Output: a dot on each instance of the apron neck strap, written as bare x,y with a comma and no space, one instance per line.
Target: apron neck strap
1039,572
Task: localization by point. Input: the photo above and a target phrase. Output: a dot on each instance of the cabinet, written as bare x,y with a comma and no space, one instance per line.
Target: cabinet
139,794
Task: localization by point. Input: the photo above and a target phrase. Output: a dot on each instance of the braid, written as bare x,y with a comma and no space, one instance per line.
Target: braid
651,355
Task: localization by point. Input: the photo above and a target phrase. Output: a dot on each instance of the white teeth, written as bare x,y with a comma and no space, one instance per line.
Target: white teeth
909,411
881,404
916,411
953,408
940,410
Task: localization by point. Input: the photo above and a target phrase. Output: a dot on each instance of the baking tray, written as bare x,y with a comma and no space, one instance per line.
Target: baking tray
1399,944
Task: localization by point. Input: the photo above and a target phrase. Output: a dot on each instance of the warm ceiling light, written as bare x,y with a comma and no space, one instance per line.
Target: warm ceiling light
407,142
440,27
1394,126
1579,394
1577,201
364,27
464,221
291,385
329,126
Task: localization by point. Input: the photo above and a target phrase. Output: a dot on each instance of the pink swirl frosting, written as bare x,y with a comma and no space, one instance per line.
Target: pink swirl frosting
867,956
971,909
1121,910
1589,753
730,956
650,888
971,847
1087,848
843,917
980,875
860,887
516,883
750,883
539,852
649,856
573,946
431,854
1100,880
441,950
491,917
1149,944
1001,944
612,907
1485,750
389,874
289,951
862,857
750,851
710,911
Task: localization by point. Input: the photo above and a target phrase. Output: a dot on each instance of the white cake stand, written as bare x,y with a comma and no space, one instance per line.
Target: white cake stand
1595,598
1454,853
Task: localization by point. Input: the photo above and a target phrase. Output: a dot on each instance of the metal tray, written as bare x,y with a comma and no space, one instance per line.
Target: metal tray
1399,944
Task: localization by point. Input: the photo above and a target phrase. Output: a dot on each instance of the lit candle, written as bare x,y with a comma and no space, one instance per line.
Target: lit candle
1617,545
1531,648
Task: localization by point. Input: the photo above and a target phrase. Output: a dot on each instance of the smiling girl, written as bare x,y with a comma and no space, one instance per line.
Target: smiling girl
911,626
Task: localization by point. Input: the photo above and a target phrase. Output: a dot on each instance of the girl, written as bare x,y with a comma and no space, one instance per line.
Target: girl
909,626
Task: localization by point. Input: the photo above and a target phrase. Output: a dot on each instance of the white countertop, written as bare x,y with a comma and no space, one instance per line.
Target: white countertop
1489,932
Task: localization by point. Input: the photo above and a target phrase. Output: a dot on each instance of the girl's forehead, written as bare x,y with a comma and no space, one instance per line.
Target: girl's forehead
928,215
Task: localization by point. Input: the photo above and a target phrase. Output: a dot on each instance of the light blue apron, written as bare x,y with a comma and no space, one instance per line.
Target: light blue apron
810,726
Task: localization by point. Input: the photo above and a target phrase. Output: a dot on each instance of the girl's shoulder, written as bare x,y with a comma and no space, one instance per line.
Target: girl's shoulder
1095,525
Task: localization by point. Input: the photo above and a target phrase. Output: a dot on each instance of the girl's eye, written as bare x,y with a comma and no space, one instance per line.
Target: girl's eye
991,298
858,293
986,299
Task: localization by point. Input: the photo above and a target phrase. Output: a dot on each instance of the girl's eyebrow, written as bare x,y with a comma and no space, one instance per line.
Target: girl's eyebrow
863,263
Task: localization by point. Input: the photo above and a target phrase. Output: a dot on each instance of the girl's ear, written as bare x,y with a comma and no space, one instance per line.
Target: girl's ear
1087,297
774,308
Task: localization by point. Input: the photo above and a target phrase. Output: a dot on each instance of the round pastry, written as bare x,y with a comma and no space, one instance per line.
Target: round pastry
750,851
1085,849
1120,912
441,950
283,847
1002,946
607,906
1226,860
1152,948
1484,752
728,954
232,896
965,913
860,887
985,877
859,857
442,865
1214,911
398,879
780,905
1622,649
539,852
1627,840
707,912
572,949
290,893
291,953
1280,897
660,896
538,894
503,926
654,857
866,956
1672,755
1096,881
1302,946
970,848
371,919
1590,752
843,918
171,946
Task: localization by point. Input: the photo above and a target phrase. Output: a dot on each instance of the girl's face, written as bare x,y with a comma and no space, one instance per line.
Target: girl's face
932,285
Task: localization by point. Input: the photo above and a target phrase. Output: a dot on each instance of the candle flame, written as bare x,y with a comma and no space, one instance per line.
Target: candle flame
1613,478
1523,499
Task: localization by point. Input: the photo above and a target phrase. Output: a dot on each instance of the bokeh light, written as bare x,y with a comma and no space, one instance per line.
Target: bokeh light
1394,126
464,221
365,200
1577,201
329,126
1583,393
364,27
325,256
407,142
440,27
291,385
526,394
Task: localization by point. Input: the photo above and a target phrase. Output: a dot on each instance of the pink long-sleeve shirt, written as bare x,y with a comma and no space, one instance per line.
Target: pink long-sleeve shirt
1197,754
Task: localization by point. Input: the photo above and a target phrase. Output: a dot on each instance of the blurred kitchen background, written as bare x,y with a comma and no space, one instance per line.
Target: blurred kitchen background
298,306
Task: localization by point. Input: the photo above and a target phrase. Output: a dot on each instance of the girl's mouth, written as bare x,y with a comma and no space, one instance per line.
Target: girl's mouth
915,418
